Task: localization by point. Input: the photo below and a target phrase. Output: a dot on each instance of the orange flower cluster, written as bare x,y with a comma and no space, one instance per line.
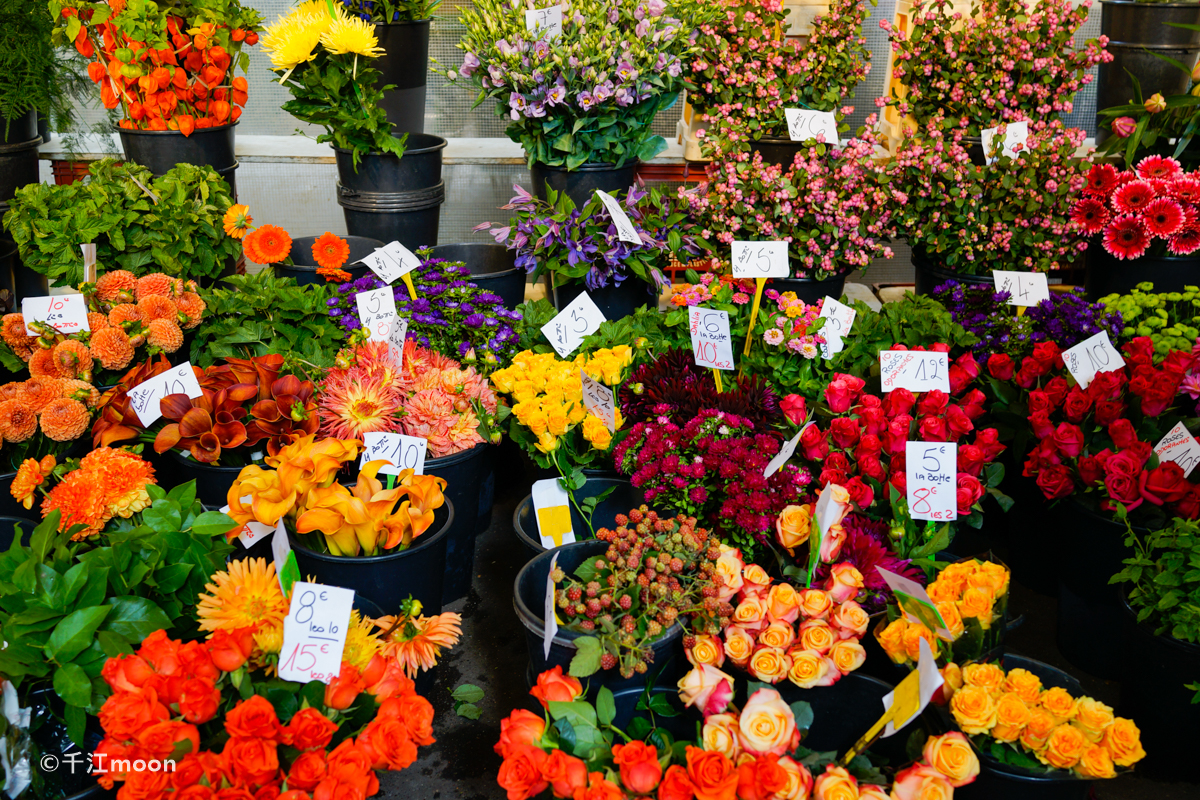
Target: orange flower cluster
179,78
108,483
330,252
167,690
60,407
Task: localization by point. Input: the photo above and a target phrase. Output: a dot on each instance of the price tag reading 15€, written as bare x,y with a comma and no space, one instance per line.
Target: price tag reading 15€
144,398
931,471
314,632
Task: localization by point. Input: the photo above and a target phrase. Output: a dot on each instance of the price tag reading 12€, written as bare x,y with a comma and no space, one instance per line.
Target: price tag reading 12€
144,398
712,345
839,319
804,125
931,470
66,313
598,399
405,452
1090,357
314,632
1181,447
1024,288
377,312
915,370
545,23
760,260
626,231
573,324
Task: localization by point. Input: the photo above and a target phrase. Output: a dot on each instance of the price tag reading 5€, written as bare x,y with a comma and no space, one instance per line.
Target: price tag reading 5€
144,398
314,632
377,312
931,471
760,260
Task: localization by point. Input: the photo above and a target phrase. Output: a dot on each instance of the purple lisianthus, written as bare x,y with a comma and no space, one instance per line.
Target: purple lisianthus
469,65
603,91
585,100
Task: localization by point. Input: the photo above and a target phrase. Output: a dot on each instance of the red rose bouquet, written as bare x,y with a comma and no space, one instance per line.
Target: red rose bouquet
1152,208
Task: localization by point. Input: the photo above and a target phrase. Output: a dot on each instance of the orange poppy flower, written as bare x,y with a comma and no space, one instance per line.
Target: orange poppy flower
330,250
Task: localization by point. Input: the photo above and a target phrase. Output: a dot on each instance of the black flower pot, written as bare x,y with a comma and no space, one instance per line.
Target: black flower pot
623,498
403,66
388,579
17,281
930,273
581,183
18,156
20,129
614,302
845,711
394,199
1107,274
69,780
808,289
465,474
10,525
212,480
493,268
304,268
160,151
778,151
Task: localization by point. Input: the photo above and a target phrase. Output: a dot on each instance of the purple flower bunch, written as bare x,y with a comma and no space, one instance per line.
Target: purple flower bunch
449,314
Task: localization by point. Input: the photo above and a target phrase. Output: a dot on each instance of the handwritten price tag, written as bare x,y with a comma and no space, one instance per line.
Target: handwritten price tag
626,231
253,531
398,334
931,470
1014,140
839,320
391,262
572,325
66,313
712,346
1092,356
598,399
314,632
405,452
804,125
545,23
1024,288
377,312
144,398
785,453
1179,446
915,370
760,260
914,602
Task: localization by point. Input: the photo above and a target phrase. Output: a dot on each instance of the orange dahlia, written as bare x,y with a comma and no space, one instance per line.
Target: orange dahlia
42,364
157,307
112,348
72,358
416,643
64,419
40,391
157,284
80,499
82,391
97,321
118,286
192,306
330,250
17,420
30,476
267,245
237,220
123,477
125,312
358,400
13,332
165,335
12,391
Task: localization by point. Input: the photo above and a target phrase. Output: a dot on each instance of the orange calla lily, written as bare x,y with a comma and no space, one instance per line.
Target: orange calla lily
269,497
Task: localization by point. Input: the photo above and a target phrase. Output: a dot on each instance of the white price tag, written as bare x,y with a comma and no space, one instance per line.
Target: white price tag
1179,446
915,370
1024,288
66,313
914,601
392,262
573,324
545,23
252,531
1014,140
314,632
377,312
551,621
280,548
144,398
552,507
804,125
785,452
1091,356
626,232
598,399
398,333
931,472
404,452
760,260
712,344
839,319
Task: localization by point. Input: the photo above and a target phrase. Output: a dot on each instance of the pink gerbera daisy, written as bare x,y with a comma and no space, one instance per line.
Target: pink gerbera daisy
1132,197
1158,167
1185,242
1163,216
1101,180
1186,189
1126,237
1090,215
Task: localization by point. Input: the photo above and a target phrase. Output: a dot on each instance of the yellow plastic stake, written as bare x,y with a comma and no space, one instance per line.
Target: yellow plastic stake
412,290
906,700
754,313
717,377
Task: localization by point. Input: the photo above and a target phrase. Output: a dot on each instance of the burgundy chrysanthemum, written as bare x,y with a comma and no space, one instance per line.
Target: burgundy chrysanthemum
1133,197
1090,215
1185,242
1126,237
1101,180
1158,167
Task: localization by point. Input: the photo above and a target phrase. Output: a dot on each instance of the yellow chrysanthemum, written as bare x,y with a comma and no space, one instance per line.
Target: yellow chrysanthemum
351,35
246,596
361,644
269,639
293,39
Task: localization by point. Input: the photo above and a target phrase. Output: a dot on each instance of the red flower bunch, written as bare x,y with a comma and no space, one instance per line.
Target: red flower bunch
1092,438
863,446
171,699
1132,208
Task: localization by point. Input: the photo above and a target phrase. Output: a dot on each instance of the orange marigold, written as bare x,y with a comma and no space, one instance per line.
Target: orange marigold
17,420
192,306
82,391
40,391
112,348
64,419
42,364
118,286
30,476
157,307
164,334
72,358
13,332
97,321
125,312
267,245
80,499
330,250
157,284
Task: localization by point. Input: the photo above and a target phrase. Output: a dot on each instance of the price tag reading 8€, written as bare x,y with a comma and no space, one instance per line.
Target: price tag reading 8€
377,312
314,632
144,398
405,452
931,472
760,260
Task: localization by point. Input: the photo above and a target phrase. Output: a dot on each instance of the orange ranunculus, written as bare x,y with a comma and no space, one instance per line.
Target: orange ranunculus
254,718
307,771
835,784
638,765
566,774
521,772
553,686
309,729
712,775
767,725
253,761
342,691
125,713
676,785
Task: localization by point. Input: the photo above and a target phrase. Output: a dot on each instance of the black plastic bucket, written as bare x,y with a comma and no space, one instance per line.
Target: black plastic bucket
1107,274
8,529
19,130
212,481
529,601
388,580
16,278
159,151
1155,696
623,498
581,183
493,268
404,65
774,150
49,734
464,474
930,274
614,302
843,711
18,166
419,169
304,268
809,290
394,199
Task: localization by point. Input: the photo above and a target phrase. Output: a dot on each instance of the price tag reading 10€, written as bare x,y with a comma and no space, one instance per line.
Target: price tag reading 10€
314,632
931,472
144,398
405,452
1090,357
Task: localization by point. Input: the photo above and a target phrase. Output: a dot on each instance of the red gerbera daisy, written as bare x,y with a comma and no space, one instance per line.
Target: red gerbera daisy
1163,216
1185,242
1090,215
1132,197
1101,180
1158,167
1126,237
1186,189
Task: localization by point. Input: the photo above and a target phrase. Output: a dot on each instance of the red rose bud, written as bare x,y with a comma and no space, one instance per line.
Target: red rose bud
1000,366
1055,481
794,409
1068,439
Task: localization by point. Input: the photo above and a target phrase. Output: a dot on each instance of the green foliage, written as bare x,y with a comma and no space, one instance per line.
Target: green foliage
26,59
262,314
1164,578
1170,319
465,699
387,11
180,233
649,332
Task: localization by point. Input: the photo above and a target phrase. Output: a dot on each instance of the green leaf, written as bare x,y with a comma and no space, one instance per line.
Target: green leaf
73,685
212,523
135,618
606,706
586,660
76,725
803,713
74,633
579,712
467,693
468,710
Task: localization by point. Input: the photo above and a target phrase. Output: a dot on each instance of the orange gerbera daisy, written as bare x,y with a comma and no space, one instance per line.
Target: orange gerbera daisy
237,220
334,274
30,476
330,250
416,643
269,244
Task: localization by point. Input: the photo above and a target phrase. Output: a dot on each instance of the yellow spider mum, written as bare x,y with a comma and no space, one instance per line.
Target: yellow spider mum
246,596
293,39
351,35
361,644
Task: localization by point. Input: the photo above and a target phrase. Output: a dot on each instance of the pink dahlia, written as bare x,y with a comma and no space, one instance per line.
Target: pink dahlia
429,414
357,400
1090,215
1132,197
1101,180
1184,243
1126,237
1163,216
1158,167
